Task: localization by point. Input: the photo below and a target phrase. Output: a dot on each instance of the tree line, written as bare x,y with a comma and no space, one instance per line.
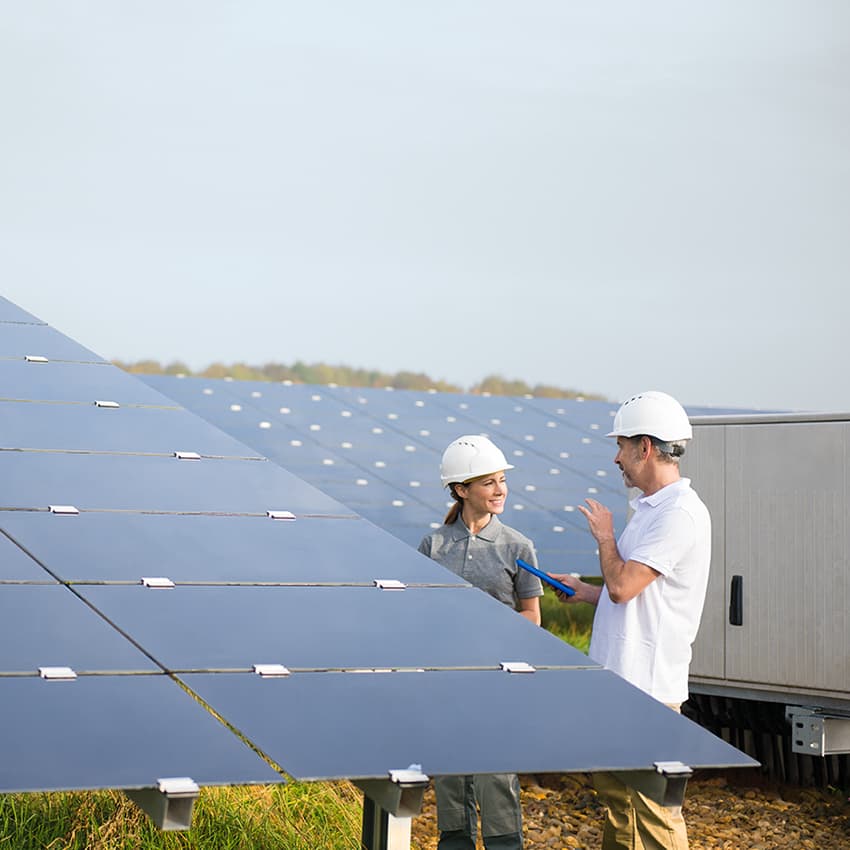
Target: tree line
347,376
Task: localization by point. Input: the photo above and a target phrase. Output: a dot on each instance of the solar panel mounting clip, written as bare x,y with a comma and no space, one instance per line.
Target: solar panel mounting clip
390,584
65,510
109,404
35,358
271,670
187,456
57,673
280,515
517,667
409,776
400,796
157,581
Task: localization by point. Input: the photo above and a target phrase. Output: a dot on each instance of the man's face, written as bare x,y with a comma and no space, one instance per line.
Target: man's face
630,459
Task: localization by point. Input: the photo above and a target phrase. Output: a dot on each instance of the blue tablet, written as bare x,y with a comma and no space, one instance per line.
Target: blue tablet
546,577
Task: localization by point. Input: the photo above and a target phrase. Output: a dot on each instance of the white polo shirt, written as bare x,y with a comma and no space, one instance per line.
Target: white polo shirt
647,640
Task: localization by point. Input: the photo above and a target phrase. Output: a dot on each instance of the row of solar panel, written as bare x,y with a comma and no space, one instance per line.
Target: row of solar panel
146,557
378,452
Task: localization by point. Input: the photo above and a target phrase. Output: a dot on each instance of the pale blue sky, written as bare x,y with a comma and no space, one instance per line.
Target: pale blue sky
607,196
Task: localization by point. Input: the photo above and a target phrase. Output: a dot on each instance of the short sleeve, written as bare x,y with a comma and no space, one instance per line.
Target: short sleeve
666,541
526,584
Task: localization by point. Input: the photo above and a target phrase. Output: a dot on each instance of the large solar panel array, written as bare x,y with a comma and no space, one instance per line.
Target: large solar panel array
148,560
379,451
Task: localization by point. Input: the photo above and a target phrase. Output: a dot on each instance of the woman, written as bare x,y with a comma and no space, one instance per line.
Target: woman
475,544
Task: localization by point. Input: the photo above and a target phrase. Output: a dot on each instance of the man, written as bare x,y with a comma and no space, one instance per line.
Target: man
649,606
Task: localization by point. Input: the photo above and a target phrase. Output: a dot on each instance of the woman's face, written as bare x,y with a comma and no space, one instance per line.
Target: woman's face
486,494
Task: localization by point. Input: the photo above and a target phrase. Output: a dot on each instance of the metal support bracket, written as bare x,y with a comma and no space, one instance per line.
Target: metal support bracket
170,804
389,805
287,515
665,785
818,732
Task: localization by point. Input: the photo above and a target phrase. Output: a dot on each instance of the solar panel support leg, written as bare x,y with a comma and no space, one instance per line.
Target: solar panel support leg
383,831
665,785
388,806
169,805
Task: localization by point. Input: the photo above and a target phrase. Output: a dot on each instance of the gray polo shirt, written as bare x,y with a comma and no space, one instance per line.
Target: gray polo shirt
487,559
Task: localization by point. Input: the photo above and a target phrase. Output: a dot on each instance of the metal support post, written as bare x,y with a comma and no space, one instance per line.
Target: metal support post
388,807
170,804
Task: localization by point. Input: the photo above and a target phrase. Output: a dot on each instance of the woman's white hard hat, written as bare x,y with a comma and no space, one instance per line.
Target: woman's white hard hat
655,414
471,456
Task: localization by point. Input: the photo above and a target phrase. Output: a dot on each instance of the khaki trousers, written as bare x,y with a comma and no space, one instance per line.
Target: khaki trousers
634,822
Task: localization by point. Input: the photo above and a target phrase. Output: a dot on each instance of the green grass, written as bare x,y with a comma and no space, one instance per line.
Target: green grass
570,622
297,816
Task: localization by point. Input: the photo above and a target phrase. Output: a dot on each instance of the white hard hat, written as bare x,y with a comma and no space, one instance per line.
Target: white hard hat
655,414
471,456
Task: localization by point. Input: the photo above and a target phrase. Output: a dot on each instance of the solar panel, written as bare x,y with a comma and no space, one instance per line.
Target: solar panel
11,313
16,567
310,628
99,546
41,342
157,482
436,720
77,383
115,732
103,428
103,509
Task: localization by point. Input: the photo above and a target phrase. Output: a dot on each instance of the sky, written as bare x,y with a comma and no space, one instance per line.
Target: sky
610,197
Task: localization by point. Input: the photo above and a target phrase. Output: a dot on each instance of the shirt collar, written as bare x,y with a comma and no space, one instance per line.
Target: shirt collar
662,495
489,532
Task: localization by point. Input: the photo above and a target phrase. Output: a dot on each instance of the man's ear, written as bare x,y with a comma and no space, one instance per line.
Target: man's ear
645,447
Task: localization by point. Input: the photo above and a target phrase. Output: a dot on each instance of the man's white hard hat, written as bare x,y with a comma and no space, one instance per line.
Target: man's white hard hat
655,414
471,456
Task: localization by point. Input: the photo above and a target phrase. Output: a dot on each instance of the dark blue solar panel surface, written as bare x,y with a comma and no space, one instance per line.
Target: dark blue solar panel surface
80,383
219,628
203,522
23,340
94,547
556,717
115,732
86,427
16,566
48,626
134,482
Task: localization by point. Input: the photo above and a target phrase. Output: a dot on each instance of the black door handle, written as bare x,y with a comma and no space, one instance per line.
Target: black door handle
736,602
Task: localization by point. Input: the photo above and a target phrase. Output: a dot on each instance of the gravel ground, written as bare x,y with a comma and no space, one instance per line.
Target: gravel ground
735,812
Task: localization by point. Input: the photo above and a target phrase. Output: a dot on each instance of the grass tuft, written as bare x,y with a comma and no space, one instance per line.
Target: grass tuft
570,622
297,816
